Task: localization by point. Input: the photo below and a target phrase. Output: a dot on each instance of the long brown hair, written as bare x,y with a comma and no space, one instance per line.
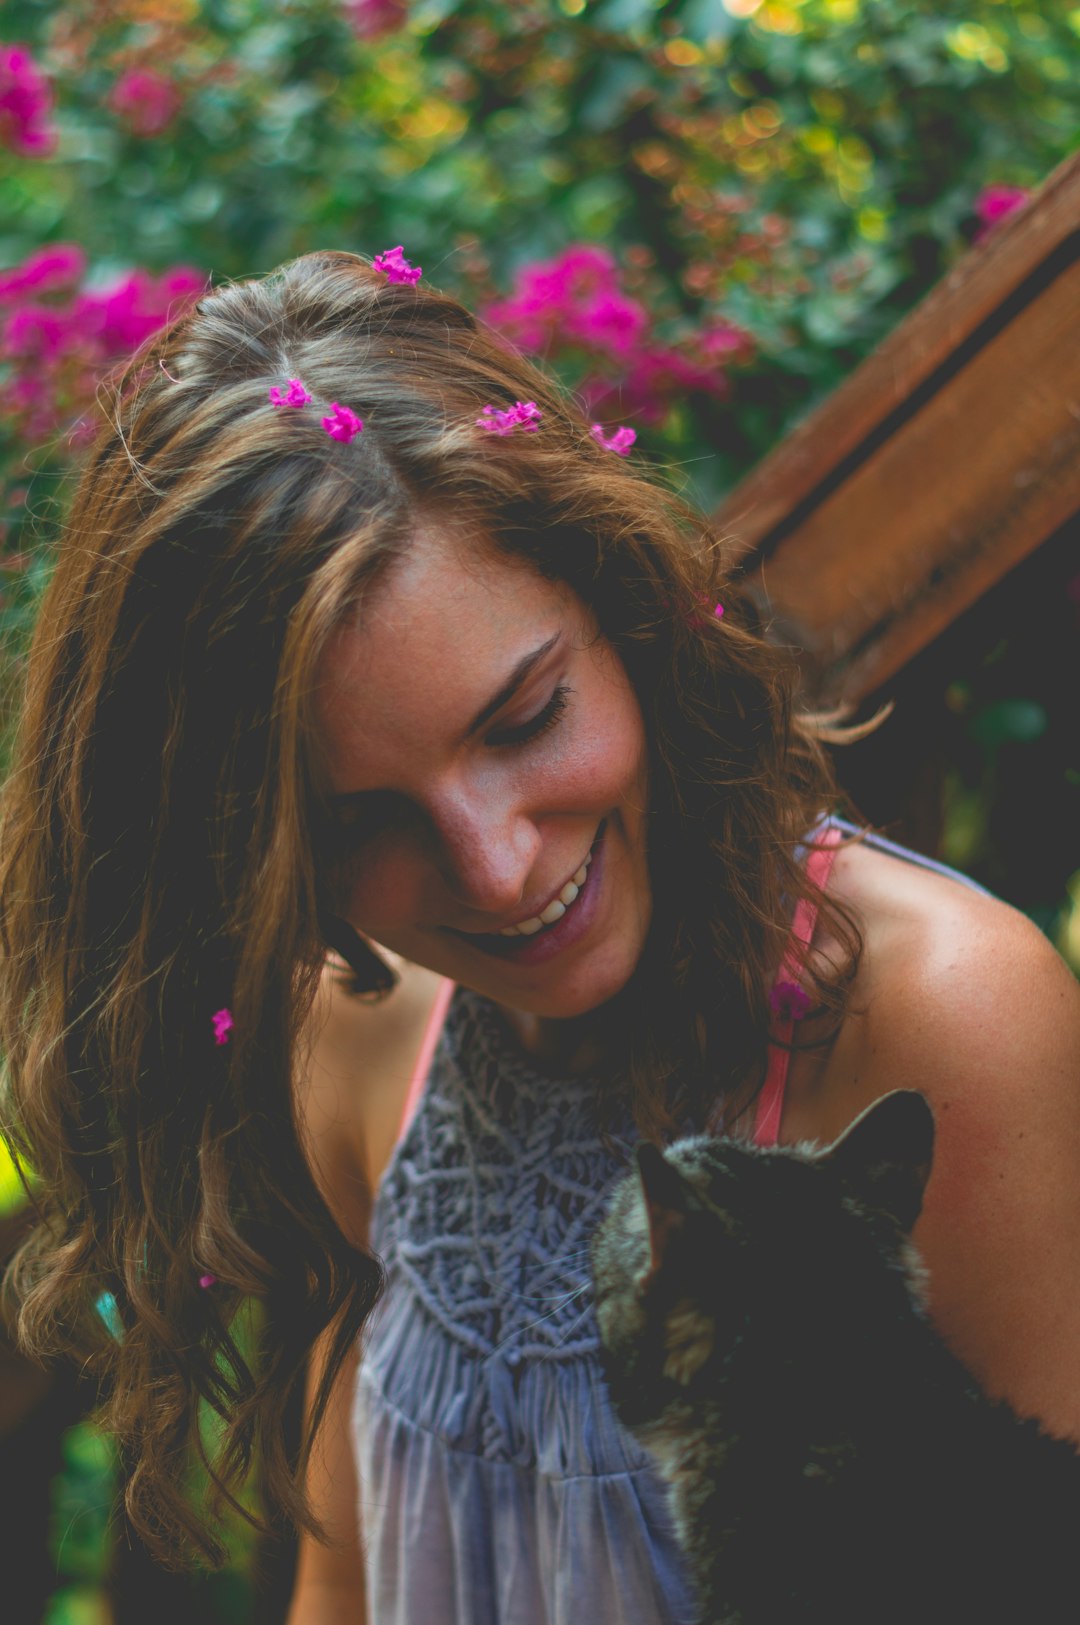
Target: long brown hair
161,854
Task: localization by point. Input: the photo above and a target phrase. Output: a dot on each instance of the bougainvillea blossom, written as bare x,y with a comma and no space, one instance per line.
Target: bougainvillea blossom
59,266
994,203
342,423
576,296
789,1001
26,102
58,337
619,441
395,267
294,395
222,1022
522,415
576,304
147,102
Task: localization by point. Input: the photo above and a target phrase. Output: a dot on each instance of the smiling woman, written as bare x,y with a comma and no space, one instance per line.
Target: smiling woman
360,635
471,803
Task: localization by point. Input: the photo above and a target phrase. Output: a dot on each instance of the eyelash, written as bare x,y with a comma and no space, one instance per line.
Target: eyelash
346,833
544,719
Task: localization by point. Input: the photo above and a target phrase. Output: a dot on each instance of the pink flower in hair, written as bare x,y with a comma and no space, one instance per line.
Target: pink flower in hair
789,1001
342,423
295,395
395,267
207,1280
619,442
223,1025
522,415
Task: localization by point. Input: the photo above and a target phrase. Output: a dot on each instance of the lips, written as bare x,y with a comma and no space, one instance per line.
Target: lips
533,950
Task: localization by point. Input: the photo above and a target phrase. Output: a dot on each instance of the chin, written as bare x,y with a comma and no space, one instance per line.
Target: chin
580,995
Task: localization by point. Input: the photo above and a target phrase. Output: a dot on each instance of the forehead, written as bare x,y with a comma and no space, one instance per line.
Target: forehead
434,637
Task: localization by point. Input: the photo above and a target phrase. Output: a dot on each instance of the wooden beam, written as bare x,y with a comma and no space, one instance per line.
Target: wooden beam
948,456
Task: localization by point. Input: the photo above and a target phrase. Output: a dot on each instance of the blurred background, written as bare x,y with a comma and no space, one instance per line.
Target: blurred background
702,214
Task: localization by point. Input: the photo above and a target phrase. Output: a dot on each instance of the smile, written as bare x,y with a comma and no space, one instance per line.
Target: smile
563,922
555,909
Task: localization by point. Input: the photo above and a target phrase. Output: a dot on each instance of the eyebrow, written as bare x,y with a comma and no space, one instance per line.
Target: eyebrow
521,671
524,669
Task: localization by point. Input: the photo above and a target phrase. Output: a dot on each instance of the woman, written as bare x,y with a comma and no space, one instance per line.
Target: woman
359,633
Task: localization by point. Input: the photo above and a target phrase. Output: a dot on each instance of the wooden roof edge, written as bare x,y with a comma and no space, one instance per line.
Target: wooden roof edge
950,314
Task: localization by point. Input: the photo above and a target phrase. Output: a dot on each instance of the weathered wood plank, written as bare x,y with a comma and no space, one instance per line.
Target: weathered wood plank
950,455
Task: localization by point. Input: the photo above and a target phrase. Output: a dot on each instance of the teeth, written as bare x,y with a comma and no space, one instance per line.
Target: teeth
555,909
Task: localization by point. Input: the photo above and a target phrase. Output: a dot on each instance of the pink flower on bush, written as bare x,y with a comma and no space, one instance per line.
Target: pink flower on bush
577,303
25,104
58,337
574,297
146,101
372,19
59,266
994,203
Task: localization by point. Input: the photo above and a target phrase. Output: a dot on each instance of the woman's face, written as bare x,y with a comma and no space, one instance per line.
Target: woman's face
484,747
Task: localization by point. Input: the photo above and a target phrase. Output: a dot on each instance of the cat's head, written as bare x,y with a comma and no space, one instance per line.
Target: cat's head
722,1265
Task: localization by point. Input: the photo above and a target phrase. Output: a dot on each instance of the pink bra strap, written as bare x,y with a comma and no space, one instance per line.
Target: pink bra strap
770,1104
432,1028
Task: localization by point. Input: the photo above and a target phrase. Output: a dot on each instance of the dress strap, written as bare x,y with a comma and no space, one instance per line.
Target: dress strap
787,991
432,1029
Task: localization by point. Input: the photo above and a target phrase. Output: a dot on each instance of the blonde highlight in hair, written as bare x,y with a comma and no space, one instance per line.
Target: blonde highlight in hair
162,848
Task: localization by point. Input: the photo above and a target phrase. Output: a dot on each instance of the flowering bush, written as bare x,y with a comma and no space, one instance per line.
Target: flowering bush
574,311
60,334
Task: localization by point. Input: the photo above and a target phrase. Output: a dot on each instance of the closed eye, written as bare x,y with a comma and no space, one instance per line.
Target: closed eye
537,725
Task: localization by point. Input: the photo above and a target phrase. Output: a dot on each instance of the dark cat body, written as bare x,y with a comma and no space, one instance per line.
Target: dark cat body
828,1458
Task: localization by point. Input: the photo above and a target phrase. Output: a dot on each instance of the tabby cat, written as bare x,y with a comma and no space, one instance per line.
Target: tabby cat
762,1314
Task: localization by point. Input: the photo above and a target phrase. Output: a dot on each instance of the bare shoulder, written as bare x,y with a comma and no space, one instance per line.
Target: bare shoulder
961,997
353,1075
955,983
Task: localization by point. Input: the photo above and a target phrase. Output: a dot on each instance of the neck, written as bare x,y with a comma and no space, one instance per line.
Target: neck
573,1045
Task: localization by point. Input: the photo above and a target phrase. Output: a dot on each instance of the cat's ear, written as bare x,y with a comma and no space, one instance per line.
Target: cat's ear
887,1153
668,1199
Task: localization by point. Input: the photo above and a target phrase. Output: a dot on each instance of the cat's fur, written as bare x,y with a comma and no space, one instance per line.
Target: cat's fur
828,1459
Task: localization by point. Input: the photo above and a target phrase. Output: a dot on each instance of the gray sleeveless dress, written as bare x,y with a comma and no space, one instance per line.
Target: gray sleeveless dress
496,1485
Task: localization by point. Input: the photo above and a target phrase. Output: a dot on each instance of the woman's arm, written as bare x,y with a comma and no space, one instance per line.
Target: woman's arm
329,1588
963,998
352,1087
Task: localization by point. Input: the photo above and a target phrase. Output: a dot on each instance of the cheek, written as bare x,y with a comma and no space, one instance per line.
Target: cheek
379,894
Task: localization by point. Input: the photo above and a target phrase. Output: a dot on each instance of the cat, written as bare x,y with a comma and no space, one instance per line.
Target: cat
762,1316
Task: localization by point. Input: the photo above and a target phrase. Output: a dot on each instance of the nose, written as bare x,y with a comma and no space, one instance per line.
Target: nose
486,853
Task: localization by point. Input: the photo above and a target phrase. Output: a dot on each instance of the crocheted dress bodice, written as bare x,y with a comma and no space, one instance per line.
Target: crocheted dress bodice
496,1485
